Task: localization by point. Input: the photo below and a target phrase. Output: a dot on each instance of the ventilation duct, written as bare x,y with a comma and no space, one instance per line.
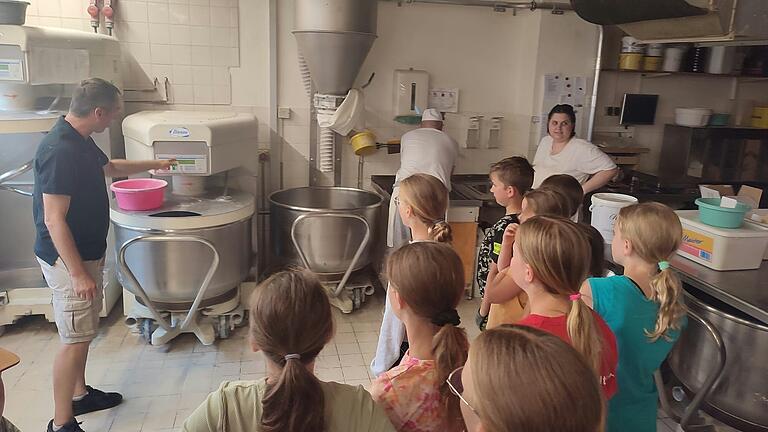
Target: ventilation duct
681,20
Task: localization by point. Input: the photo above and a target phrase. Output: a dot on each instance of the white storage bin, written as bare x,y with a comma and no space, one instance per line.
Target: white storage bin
763,213
721,248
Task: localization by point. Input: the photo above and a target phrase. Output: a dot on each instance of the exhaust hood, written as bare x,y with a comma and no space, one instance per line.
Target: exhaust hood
698,21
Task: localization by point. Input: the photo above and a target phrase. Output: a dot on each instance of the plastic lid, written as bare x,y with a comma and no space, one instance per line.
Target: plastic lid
691,217
181,213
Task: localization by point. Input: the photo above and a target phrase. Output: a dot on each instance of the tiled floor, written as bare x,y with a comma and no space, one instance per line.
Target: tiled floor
162,385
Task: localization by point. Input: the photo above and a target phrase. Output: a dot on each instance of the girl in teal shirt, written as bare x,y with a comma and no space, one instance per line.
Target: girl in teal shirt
643,309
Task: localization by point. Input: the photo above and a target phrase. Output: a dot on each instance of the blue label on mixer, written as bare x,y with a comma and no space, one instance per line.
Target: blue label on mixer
179,132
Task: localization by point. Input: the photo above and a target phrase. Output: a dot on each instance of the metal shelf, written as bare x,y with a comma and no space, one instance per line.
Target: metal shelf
650,74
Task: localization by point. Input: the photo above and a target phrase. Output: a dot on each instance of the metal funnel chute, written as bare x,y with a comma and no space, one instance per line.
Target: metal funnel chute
334,36
334,58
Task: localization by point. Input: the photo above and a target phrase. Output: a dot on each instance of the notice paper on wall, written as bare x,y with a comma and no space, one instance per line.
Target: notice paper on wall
553,86
562,88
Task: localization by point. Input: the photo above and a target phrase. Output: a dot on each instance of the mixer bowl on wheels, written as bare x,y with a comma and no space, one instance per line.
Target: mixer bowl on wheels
185,266
328,230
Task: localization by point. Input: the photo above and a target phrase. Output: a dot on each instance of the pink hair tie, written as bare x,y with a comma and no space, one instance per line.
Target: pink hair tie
575,297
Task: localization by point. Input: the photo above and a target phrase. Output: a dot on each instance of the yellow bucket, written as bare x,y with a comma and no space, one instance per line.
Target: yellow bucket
364,143
652,64
630,61
760,117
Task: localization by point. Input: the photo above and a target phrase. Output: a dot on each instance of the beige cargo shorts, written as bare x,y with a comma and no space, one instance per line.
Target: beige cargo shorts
76,319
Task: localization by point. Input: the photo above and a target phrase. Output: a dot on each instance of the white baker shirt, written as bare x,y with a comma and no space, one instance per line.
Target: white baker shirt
579,159
427,151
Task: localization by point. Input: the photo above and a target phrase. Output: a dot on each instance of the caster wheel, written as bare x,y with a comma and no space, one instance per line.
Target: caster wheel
146,328
224,328
357,298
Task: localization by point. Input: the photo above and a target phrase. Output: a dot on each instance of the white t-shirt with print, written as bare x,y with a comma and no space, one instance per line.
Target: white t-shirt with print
579,158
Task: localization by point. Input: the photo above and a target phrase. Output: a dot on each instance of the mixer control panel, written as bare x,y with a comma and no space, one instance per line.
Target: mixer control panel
185,164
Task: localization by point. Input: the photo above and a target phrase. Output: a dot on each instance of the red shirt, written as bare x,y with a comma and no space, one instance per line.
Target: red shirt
558,327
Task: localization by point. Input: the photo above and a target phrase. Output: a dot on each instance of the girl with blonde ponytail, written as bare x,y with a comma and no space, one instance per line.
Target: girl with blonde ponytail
550,260
290,322
426,285
423,204
643,307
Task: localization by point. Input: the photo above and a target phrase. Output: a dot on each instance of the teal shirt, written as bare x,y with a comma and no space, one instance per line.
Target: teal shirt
629,313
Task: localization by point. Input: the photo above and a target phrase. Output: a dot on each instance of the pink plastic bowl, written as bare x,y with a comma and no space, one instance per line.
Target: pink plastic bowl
139,194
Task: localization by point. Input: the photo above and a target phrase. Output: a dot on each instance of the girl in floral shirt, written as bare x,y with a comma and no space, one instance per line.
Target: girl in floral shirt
426,284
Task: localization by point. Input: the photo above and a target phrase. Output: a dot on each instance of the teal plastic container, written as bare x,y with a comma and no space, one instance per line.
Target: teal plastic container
712,214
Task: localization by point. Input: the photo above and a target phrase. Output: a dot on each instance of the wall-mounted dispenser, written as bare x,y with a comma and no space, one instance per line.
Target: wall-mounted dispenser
470,131
411,89
494,131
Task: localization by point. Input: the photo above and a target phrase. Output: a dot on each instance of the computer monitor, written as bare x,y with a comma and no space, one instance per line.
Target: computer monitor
638,109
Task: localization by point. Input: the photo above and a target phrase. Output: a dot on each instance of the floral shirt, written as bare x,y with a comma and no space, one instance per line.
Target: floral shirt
490,248
410,395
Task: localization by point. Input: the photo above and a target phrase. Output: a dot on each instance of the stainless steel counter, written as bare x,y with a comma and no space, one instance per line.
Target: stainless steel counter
383,186
489,211
744,290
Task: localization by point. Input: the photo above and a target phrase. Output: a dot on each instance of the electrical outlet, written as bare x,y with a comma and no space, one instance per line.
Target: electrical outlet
283,113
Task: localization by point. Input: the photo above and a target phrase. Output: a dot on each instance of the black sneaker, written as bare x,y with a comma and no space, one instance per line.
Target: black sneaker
72,426
481,320
95,400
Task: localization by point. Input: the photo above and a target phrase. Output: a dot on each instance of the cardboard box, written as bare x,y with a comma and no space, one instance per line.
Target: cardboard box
751,194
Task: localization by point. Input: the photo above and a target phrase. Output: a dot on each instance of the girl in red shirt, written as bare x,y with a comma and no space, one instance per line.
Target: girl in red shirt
550,260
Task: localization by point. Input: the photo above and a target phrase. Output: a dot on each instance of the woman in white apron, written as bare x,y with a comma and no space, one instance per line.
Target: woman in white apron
560,152
421,204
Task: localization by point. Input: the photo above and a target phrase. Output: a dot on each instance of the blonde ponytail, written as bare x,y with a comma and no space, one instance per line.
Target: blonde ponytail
440,232
428,197
449,348
584,334
667,291
655,232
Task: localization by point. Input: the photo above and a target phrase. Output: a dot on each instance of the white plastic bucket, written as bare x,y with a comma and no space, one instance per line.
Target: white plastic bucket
605,209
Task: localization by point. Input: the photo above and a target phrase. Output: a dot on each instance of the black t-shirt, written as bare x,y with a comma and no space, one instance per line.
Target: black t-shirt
68,164
490,248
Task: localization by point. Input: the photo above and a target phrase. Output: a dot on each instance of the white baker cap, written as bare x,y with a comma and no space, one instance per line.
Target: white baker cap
431,114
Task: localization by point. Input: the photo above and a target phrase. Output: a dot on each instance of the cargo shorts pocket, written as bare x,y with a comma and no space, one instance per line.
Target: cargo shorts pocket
76,319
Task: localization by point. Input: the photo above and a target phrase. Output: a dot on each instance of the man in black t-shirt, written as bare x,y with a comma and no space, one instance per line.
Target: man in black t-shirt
71,213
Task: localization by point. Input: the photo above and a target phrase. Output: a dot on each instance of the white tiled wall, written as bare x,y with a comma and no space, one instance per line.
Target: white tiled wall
193,43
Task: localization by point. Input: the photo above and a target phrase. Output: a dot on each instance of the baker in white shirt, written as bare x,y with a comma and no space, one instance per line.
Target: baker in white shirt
426,150
561,152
